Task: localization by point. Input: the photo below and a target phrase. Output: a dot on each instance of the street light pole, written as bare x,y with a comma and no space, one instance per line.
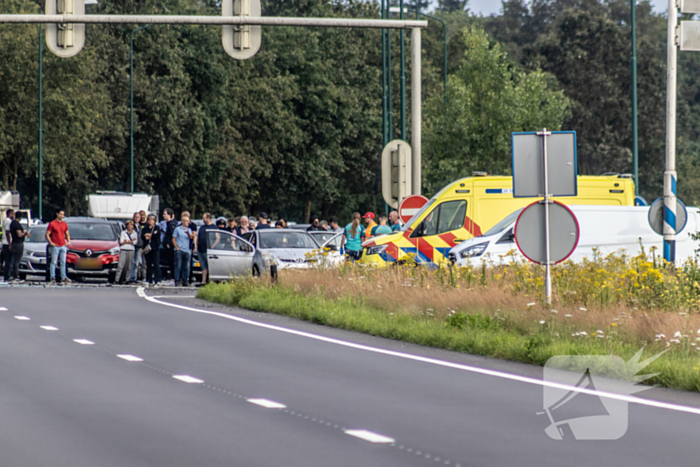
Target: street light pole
403,76
444,46
131,102
41,135
384,133
635,144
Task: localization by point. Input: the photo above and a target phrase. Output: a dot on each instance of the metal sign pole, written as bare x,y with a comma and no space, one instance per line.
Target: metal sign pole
547,266
670,172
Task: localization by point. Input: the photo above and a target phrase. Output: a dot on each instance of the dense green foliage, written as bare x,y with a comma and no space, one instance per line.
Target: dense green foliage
297,129
488,99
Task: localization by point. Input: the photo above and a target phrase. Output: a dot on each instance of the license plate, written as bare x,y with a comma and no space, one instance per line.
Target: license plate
89,263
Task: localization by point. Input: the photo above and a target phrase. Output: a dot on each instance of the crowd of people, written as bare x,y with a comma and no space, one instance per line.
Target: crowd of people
145,238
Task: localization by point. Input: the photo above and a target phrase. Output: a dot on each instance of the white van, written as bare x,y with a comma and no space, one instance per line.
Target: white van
607,228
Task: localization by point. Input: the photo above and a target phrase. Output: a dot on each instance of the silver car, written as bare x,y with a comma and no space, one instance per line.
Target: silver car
228,255
35,257
287,249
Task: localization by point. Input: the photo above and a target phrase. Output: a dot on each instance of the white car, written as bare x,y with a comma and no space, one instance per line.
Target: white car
289,249
609,229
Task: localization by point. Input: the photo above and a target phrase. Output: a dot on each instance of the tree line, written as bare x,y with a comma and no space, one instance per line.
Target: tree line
297,129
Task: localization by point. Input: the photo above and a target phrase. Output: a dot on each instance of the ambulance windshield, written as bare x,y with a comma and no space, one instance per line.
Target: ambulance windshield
417,215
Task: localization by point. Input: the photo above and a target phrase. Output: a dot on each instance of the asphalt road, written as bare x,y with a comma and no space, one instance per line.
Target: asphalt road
67,403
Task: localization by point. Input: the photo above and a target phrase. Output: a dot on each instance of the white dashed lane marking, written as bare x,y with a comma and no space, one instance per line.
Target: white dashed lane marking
2,308
267,403
130,358
83,341
370,436
22,318
49,328
188,379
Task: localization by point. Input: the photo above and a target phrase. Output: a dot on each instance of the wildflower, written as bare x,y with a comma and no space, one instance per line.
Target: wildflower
582,309
660,335
677,334
568,316
541,321
584,333
555,311
531,304
613,324
675,341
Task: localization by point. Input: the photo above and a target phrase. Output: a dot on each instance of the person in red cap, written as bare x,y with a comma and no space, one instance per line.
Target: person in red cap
369,219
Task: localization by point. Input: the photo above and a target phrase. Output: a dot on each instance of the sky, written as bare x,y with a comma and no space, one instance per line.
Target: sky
487,7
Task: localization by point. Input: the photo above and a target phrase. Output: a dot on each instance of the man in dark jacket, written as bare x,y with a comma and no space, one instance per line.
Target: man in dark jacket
170,225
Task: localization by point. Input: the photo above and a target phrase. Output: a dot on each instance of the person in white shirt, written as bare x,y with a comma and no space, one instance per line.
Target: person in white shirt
127,241
6,255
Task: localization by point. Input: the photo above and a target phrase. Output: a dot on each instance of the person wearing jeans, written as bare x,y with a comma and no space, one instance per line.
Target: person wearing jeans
59,238
181,244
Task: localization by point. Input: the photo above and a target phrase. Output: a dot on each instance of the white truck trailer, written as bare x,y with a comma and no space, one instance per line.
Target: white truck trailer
115,205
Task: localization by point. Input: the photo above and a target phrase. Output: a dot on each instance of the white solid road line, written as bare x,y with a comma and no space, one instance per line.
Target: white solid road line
22,318
84,341
176,296
188,379
370,436
130,358
268,404
443,363
49,328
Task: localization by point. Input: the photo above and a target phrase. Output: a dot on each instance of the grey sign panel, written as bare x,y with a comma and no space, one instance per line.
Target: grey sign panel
656,216
689,35
528,171
563,233
690,6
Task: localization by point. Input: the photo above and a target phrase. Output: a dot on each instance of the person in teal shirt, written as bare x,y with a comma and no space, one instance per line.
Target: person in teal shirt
353,238
395,221
382,228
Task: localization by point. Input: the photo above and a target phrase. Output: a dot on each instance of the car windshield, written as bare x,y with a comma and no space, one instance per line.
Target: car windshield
91,231
322,237
270,238
38,235
505,223
417,215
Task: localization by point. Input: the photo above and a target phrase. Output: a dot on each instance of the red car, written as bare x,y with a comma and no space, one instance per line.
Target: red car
93,249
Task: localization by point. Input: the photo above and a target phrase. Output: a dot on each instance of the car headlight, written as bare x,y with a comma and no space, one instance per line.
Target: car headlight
114,251
474,250
376,250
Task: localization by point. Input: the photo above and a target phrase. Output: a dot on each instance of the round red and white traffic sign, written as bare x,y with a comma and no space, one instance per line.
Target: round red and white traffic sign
564,232
410,206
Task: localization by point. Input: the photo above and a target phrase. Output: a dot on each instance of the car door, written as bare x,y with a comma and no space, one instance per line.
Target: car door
228,255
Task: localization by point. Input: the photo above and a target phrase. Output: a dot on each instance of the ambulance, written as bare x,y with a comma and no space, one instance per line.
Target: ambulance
469,207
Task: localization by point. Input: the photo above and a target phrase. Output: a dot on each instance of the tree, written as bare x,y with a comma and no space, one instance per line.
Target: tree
453,5
489,98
